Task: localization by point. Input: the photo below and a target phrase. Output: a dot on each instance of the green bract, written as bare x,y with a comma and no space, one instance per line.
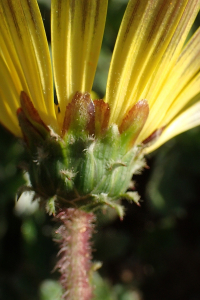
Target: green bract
80,169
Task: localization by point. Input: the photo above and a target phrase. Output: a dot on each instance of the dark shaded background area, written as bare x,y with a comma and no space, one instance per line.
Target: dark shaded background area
154,254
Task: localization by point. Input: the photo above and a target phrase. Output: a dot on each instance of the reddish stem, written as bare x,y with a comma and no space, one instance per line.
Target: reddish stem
75,253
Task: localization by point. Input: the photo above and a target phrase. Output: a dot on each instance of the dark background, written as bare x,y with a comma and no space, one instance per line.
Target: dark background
153,254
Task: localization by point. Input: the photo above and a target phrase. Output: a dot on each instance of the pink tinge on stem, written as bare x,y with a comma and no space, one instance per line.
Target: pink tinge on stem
75,253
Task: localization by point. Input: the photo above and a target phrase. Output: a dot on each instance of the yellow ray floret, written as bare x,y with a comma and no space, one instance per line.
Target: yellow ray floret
184,78
185,121
77,30
151,36
9,100
179,86
29,51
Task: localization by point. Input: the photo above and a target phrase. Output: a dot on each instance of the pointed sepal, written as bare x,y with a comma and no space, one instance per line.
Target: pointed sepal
152,138
32,114
104,199
132,196
79,115
134,121
102,116
31,135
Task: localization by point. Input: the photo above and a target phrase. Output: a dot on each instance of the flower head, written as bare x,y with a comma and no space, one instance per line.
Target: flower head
152,93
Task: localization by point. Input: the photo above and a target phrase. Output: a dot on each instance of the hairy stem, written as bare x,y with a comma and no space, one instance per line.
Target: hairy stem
75,253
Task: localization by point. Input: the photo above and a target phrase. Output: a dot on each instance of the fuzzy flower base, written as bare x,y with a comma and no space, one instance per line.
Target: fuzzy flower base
75,253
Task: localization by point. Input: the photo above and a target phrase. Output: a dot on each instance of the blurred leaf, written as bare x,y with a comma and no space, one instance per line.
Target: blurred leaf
50,290
102,289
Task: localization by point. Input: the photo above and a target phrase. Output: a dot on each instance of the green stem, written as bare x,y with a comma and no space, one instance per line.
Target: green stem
75,253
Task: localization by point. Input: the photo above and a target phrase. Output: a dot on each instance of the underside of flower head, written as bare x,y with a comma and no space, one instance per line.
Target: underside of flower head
92,163
152,93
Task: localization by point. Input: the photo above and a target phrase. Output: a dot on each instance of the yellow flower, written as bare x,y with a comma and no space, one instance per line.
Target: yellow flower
150,61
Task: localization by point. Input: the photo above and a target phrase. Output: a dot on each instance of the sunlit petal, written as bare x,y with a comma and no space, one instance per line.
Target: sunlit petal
9,100
77,30
150,39
26,30
188,93
184,79
185,121
178,87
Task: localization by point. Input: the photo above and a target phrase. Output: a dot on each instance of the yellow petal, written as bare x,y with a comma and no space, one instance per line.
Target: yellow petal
184,98
181,84
7,120
9,100
184,81
77,30
8,54
26,29
185,121
150,38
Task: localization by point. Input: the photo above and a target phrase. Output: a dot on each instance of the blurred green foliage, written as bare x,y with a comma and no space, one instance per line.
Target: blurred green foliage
153,254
